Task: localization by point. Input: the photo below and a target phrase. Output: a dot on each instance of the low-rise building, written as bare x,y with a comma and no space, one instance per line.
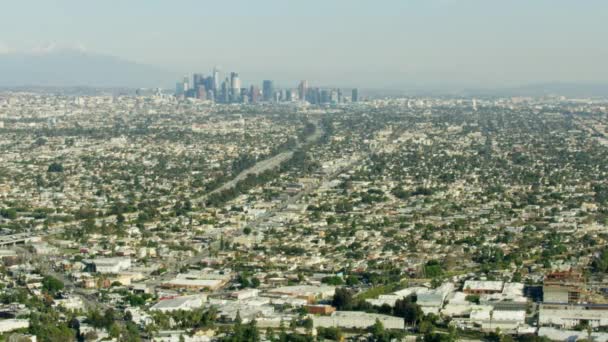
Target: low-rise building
569,315
482,286
563,287
357,320
13,324
107,265
185,303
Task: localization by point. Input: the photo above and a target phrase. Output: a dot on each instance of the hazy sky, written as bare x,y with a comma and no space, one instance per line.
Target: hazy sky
379,43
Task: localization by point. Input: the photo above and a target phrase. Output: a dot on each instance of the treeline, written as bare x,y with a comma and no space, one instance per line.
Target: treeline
245,162
406,307
300,160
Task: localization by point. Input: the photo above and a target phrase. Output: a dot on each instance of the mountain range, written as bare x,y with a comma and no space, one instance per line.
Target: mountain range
65,67
70,67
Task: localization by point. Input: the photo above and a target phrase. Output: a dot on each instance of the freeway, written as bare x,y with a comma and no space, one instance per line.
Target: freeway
269,163
259,167
255,224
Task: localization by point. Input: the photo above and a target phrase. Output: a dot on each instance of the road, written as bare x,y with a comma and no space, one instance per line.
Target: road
254,224
90,298
259,167
269,163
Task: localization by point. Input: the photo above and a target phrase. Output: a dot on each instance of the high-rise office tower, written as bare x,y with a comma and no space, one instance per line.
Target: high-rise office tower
179,88
235,86
334,96
216,80
254,94
355,95
225,91
209,83
268,90
314,96
201,92
325,96
186,83
197,79
302,90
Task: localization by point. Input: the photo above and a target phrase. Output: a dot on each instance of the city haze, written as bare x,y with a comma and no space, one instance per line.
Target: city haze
438,44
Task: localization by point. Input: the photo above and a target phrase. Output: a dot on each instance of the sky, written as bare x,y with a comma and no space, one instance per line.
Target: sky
365,43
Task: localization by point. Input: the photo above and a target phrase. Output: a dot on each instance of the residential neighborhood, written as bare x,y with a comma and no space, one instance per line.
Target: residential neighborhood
159,218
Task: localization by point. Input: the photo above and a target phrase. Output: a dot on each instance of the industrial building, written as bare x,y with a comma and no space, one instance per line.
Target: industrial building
357,320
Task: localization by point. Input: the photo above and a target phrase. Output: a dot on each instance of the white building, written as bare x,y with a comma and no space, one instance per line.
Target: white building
7,325
432,301
482,286
357,320
571,335
108,265
245,294
71,303
186,303
321,291
568,316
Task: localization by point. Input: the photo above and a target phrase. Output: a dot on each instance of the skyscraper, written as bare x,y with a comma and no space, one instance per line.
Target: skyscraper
268,90
186,83
235,86
254,94
225,97
355,95
181,88
302,90
216,80
201,92
197,79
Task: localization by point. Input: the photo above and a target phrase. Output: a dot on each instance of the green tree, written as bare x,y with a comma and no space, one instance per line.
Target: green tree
52,285
55,167
8,213
410,311
343,299
114,330
352,280
378,332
